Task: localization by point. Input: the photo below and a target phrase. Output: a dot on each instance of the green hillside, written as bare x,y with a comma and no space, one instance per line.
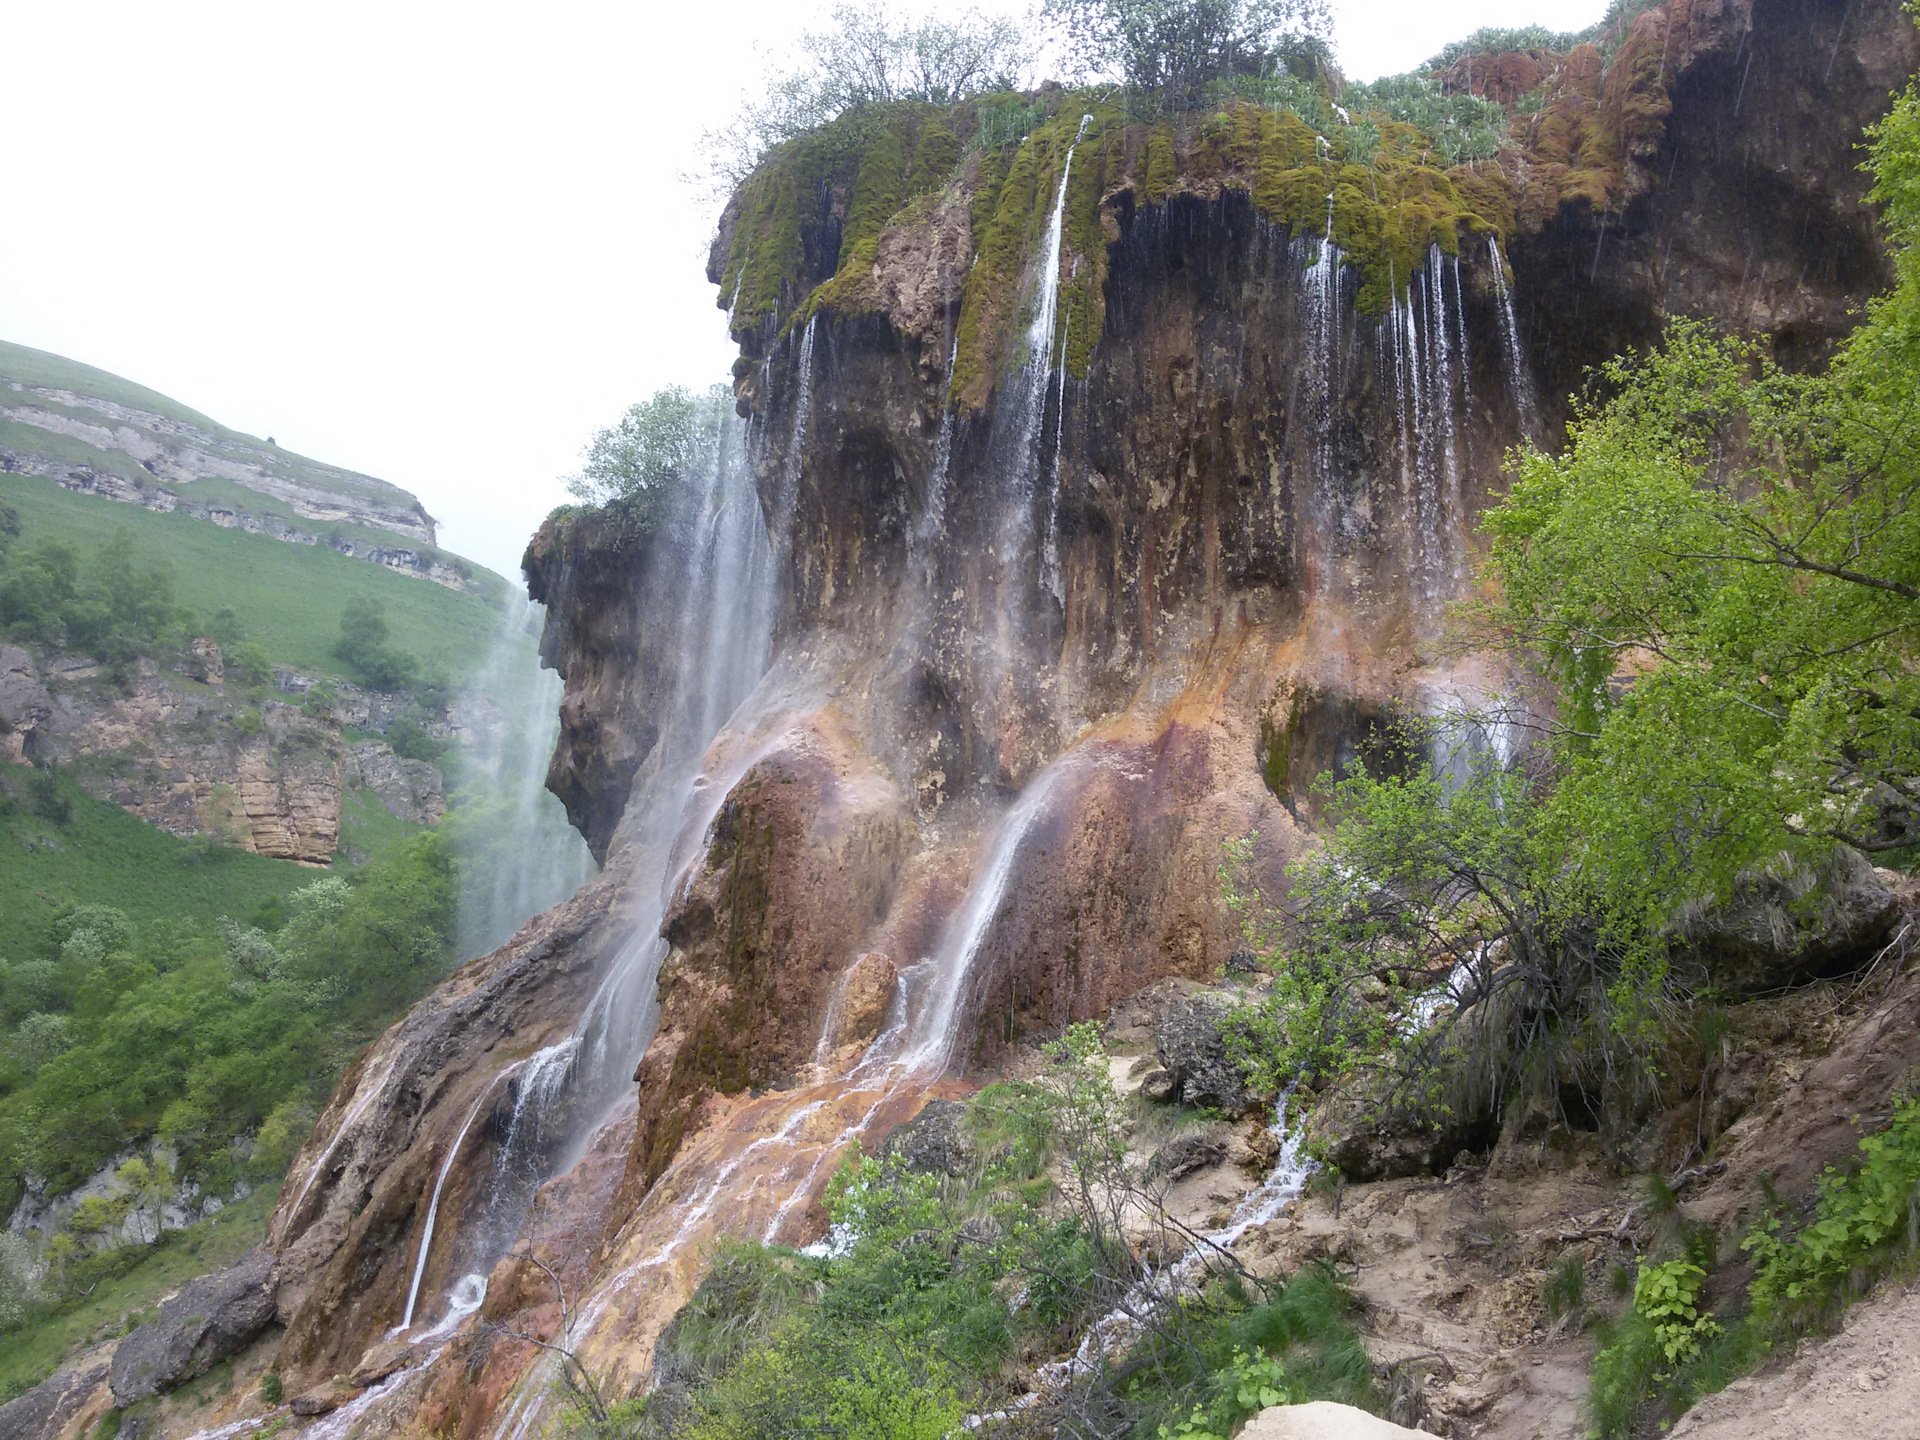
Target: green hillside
100,855
288,596
22,366
38,367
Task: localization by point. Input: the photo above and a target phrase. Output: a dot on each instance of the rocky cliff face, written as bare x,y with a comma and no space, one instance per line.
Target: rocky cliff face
181,753
1062,597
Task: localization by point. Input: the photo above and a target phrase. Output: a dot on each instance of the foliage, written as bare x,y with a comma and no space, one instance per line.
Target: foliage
23,1274
366,649
1667,1297
195,1040
936,1289
291,595
868,57
107,1294
1249,1384
1607,32
117,605
1564,1292
1464,128
99,855
1862,1220
1168,51
1722,572
659,443
1440,869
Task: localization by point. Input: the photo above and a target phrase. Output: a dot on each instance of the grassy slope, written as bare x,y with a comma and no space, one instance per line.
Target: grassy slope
105,856
39,368
30,1355
288,596
42,368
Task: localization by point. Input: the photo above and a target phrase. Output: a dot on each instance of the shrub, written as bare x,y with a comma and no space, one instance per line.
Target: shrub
364,648
1863,1220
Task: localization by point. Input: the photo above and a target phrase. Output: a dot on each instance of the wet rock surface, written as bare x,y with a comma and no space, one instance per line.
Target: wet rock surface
1231,524
210,1320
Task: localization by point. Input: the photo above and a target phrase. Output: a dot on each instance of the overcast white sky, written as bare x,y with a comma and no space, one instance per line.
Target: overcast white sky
440,244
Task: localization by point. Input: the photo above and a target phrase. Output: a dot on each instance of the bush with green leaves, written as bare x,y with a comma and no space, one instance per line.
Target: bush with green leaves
367,651
1721,574
1863,1220
633,467
115,605
940,1290
1463,128
198,1038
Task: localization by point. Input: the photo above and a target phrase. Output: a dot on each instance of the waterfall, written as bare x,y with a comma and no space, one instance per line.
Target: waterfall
933,1030
1041,362
518,854
717,585
789,495
1320,295
433,1208
1519,377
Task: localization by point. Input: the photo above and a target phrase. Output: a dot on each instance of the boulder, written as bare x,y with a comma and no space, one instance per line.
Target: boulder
866,995
383,1358
1323,1420
322,1399
1787,922
1381,1125
1189,1039
1189,1151
213,1318
935,1141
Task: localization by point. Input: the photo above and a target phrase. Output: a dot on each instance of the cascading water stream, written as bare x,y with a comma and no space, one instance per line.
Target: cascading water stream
1041,362
722,586
1519,377
933,1029
1157,1289
433,1207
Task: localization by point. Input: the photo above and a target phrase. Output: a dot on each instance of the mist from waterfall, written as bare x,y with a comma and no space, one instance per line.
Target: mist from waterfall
518,853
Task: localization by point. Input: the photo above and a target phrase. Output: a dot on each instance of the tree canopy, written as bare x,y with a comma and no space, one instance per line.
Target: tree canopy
1170,50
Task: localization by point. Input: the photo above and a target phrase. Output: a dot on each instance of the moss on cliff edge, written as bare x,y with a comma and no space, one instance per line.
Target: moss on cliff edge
807,226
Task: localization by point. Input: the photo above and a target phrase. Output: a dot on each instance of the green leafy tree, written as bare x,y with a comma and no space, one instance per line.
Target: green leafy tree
38,1039
866,56
366,648
1171,50
638,461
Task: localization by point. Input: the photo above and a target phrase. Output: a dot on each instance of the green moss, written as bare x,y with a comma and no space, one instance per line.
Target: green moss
1389,203
1001,250
766,262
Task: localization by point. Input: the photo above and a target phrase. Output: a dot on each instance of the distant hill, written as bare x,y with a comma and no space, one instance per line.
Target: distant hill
95,433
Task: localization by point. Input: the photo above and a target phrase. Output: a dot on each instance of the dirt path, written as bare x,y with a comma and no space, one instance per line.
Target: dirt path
1861,1384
